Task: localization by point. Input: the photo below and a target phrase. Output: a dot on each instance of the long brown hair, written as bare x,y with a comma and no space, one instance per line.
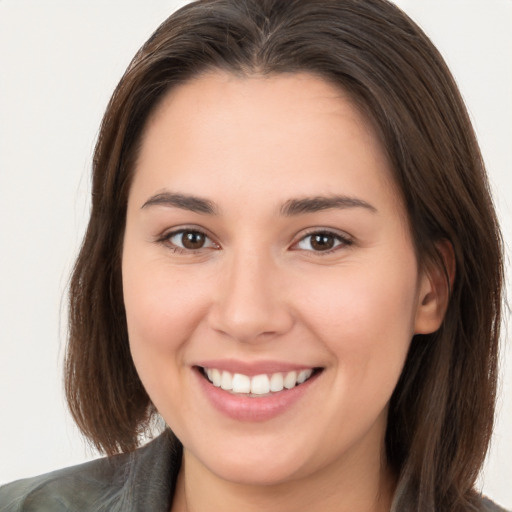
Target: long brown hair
441,413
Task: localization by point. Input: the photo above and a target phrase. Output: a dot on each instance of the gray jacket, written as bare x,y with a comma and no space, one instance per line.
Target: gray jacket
142,481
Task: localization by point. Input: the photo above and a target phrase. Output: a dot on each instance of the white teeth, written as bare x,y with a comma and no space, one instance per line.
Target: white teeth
226,381
216,377
304,376
241,383
290,380
276,382
259,384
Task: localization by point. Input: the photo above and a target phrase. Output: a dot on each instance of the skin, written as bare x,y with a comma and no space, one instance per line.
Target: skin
258,290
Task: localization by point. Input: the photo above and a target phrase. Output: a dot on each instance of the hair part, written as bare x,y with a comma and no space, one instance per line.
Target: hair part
441,413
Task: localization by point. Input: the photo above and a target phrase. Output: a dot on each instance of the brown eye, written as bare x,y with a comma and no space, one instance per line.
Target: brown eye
189,240
322,242
192,239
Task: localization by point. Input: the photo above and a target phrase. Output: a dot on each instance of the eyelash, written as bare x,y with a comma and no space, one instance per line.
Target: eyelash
343,241
166,239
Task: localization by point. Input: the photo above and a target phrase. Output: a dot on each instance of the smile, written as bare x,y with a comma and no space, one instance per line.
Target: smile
254,392
257,385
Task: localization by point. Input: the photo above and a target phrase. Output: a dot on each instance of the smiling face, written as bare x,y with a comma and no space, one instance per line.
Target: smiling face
265,238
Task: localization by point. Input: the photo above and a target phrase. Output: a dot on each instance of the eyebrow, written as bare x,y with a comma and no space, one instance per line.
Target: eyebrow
290,208
319,203
183,201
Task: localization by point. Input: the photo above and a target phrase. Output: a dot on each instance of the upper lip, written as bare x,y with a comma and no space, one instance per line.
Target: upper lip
252,368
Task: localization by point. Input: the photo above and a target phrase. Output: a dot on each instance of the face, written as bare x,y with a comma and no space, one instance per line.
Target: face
267,251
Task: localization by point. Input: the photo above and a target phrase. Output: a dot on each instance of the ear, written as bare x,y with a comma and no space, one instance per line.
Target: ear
434,289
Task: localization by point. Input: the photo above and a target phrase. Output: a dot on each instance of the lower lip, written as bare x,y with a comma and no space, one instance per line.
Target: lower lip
253,409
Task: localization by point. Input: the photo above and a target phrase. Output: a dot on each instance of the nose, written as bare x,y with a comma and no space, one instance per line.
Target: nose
250,303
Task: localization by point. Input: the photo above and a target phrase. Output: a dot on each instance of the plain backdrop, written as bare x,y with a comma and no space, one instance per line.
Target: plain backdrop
59,62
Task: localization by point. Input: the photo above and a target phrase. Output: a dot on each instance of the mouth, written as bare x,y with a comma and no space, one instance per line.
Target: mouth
257,386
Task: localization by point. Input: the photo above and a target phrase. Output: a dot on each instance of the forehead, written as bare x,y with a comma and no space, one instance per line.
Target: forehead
218,98
290,132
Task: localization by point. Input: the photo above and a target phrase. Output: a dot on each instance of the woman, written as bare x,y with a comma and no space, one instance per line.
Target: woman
284,259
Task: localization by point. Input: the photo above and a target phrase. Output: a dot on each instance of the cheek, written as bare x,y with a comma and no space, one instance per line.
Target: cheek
163,308
155,305
354,302
365,319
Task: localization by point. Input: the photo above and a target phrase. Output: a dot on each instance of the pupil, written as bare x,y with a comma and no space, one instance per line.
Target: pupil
193,240
322,242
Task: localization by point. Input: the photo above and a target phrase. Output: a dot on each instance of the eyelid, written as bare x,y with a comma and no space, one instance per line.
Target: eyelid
165,238
345,239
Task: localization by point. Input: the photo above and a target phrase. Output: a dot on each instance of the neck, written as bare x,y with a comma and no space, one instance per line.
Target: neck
355,487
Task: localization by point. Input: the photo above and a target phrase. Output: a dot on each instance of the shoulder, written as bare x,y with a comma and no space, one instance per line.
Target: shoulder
65,489
62,490
103,484
490,506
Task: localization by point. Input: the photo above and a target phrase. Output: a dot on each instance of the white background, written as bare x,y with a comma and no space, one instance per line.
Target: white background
59,62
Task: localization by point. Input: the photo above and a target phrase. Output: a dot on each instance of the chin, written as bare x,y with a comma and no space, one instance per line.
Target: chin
261,474
256,464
